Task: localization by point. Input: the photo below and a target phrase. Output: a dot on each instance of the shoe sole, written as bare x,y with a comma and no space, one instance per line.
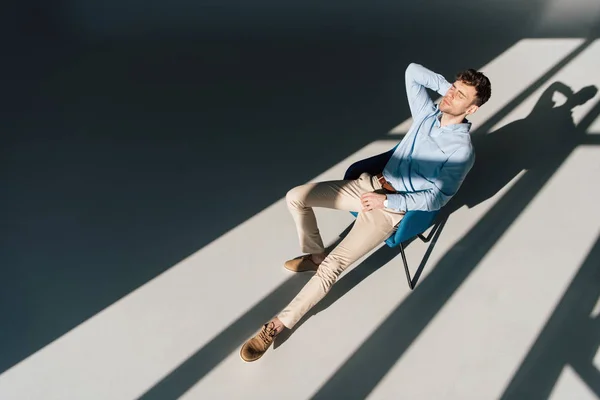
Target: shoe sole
300,270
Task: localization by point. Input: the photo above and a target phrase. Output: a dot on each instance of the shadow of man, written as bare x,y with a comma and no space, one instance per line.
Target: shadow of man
539,142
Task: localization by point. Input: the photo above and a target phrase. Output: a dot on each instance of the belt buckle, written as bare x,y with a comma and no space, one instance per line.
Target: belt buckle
386,185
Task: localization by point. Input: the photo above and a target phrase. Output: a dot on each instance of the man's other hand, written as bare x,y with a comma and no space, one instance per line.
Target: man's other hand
372,201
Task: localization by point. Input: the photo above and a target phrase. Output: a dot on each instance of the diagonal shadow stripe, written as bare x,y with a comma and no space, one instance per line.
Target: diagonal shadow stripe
352,279
569,337
225,342
211,354
590,375
591,140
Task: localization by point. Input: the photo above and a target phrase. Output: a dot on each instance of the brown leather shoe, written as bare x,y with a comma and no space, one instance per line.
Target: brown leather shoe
301,264
254,348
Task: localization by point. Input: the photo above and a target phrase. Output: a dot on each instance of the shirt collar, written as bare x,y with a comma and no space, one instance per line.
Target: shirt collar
464,126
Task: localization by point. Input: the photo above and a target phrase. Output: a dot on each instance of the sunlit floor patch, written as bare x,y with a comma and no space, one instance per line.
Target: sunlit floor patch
571,387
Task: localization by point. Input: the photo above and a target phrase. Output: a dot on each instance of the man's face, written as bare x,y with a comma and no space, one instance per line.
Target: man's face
459,100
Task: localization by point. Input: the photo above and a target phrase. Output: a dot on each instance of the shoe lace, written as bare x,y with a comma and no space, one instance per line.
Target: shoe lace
267,333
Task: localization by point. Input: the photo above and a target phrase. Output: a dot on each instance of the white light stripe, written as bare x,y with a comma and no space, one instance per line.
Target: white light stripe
596,360
596,311
570,386
594,128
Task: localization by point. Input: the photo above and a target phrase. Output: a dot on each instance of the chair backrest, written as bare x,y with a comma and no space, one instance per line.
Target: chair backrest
372,165
413,222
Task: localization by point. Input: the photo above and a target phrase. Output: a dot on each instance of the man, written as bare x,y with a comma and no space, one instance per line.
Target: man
425,170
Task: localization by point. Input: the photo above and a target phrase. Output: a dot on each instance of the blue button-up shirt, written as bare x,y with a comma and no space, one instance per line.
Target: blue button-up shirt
431,162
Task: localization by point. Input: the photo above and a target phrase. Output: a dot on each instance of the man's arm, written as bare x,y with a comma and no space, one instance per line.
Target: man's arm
451,177
545,102
417,79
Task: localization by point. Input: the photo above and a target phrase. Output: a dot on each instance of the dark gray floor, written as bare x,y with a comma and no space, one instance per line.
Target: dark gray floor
134,133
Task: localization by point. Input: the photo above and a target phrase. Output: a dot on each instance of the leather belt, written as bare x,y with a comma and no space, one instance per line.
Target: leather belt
385,184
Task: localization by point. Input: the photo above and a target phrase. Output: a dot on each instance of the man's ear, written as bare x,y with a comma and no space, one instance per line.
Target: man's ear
472,109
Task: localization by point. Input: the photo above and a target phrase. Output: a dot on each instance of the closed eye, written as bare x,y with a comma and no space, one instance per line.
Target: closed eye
460,94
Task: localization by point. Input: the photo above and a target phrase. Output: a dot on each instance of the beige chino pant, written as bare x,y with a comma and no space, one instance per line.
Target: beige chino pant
370,230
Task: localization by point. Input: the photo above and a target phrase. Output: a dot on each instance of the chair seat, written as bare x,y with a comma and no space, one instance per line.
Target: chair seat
413,224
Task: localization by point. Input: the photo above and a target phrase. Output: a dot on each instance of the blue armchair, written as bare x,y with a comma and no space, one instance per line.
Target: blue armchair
412,225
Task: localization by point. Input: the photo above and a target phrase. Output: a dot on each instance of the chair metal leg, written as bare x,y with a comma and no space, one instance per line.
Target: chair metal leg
434,233
435,228
408,279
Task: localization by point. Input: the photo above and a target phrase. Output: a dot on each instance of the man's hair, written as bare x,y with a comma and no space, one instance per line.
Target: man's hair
482,84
